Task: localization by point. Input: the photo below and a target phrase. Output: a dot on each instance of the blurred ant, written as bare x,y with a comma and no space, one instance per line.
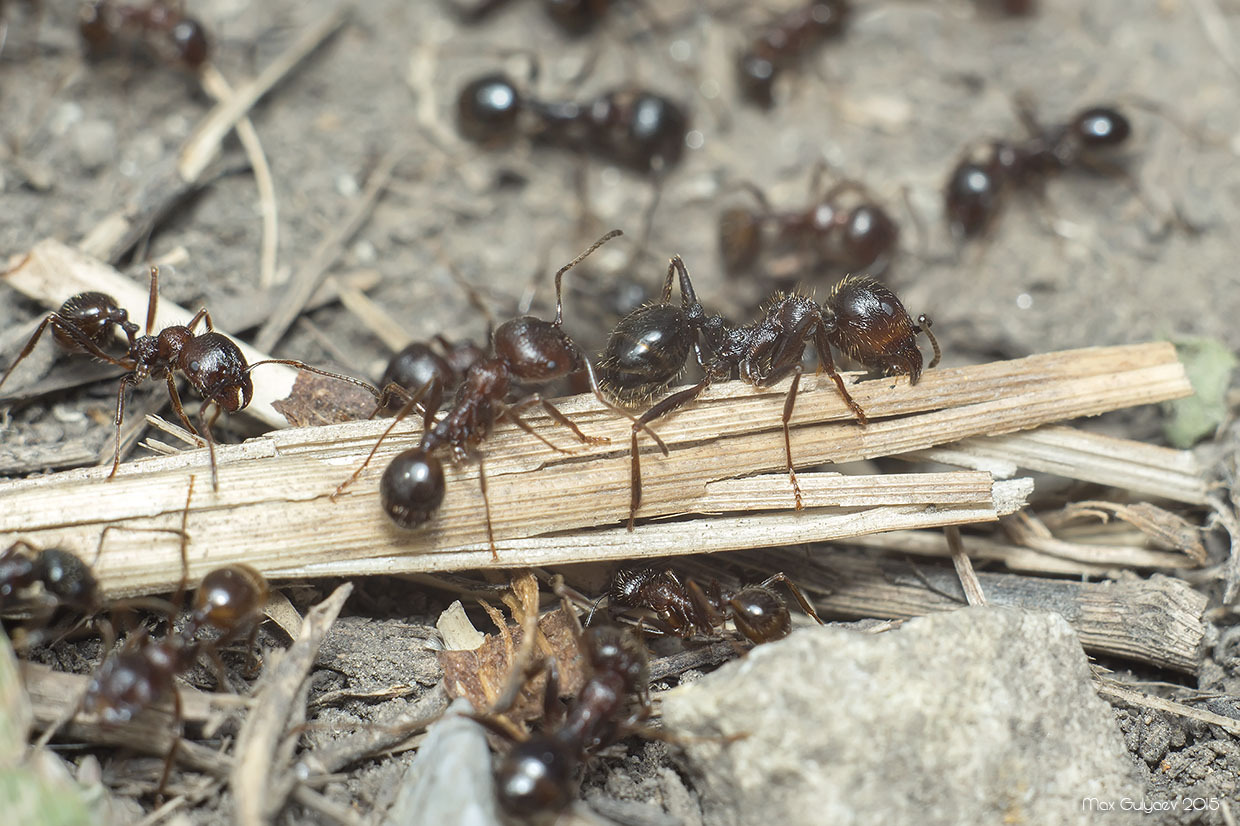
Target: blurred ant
211,361
860,237
36,583
526,349
229,601
574,17
635,128
108,27
686,608
420,363
978,185
783,42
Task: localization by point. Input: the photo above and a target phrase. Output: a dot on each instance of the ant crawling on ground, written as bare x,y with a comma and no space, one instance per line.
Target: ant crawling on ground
687,608
635,128
861,317
109,27
783,41
978,185
211,361
526,349
847,238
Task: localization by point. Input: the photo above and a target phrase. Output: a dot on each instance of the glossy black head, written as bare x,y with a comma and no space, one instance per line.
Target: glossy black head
870,237
972,199
189,38
1101,127
69,579
639,129
213,363
417,365
536,350
536,777
488,108
760,615
412,488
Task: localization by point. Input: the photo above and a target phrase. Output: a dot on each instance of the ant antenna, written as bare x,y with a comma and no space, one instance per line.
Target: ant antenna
559,276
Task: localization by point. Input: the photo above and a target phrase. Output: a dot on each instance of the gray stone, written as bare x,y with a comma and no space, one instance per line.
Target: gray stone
979,716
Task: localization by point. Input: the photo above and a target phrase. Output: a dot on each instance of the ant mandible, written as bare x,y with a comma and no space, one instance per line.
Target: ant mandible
211,361
860,237
107,26
635,128
977,187
685,608
783,41
526,349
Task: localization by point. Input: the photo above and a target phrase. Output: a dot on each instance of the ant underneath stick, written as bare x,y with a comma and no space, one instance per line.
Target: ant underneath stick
211,362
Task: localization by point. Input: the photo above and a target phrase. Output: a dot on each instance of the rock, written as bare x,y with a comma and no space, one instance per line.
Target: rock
979,716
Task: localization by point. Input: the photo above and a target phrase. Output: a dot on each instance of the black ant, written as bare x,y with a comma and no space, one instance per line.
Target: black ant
173,37
35,583
211,361
686,608
420,363
229,601
635,128
574,17
783,42
860,237
526,349
978,185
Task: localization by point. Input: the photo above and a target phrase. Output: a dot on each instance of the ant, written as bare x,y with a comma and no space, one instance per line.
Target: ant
574,17
635,128
107,27
783,41
229,601
37,582
685,608
420,363
211,361
861,317
977,186
860,237
526,349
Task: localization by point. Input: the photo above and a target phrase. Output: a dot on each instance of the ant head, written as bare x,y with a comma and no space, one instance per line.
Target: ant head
417,365
760,615
640,129
412,488
869,235
230,597
213,363
535,777
190,40
69,579
1101,127
612,649
972,199
488,108
536,350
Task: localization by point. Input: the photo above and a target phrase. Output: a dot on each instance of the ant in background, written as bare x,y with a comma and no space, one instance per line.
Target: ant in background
634,128
229,602
686,608
783,42
574,17
211,361
978,186
36,583
526,349
860,237
158,27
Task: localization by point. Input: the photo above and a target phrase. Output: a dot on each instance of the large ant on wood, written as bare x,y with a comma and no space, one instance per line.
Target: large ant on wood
976,189
229,601
419,364
783,42
528,350
635,128
686,608
860,237
211,361
108,27
861,317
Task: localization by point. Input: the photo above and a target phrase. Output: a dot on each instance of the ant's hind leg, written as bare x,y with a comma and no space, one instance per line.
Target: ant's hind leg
789,403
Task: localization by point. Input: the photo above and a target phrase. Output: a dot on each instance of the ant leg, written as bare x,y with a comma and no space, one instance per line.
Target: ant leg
126,381
29,348
434,398
708,616
801,599
789,403
152,301
400,415
825,362
663,408
175,398
365,385
923,326
178,729
638,422
60,325
486,506
206,434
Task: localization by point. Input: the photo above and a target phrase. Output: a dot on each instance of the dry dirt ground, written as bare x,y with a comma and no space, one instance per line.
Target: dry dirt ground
893,104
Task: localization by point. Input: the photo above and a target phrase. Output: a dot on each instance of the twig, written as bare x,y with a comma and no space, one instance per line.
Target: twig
964,568
1116,691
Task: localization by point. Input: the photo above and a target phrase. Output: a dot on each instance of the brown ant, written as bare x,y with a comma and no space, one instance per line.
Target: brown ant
420,363
860,237
229,601
783,42
35,583
211,361
686,608
108,27
978,185
635,128
526,349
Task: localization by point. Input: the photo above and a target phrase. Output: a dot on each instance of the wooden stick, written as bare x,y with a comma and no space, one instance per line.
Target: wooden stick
272,509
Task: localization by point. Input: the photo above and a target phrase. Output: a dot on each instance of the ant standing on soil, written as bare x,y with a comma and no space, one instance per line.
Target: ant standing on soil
211,361
686,608
978,185
635,128
783,42
860,237
108,27
528,350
